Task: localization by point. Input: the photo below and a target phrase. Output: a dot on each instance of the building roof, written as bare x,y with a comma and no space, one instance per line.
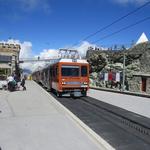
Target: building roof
74,60
142,75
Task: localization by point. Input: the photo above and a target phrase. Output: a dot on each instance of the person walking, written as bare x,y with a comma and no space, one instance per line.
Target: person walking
23,83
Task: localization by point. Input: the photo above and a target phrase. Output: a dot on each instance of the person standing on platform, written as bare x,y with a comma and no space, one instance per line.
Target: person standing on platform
11,83
23,83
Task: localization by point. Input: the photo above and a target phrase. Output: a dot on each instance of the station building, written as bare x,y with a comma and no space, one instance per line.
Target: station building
141,83
141,80
9,58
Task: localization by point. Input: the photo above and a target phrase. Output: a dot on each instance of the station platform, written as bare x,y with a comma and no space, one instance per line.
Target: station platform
138,105
32,120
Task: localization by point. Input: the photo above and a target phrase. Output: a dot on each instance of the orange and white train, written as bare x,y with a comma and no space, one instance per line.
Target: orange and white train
66,77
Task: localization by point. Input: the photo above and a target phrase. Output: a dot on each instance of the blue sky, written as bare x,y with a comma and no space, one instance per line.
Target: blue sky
52,24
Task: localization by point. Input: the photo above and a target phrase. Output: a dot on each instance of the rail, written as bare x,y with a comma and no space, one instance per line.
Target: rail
125,128
111,121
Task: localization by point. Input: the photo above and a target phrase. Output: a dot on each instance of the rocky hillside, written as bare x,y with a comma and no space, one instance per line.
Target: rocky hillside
137,57
141,53
137,60
97,60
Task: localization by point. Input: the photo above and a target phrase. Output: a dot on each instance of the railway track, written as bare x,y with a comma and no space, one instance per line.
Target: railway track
120,128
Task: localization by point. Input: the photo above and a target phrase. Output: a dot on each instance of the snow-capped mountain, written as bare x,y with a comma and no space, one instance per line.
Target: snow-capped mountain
143,38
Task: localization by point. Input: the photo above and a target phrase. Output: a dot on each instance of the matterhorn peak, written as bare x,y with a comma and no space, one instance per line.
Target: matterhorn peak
143,38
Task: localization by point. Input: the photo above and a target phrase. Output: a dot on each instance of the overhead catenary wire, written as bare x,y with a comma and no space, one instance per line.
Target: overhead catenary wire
122,29
114,22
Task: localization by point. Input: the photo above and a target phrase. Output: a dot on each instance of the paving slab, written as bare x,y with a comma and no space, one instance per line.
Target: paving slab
30,120
139,105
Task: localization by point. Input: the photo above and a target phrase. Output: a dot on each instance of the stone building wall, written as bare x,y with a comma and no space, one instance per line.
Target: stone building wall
148,86
135,84
11,50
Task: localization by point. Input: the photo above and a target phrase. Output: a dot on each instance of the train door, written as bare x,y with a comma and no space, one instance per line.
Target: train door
47,78
50,78
56,78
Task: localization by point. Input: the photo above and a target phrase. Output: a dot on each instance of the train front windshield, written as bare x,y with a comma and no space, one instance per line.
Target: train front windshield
70,71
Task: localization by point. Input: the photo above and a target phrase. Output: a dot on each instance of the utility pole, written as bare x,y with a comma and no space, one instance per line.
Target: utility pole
123,83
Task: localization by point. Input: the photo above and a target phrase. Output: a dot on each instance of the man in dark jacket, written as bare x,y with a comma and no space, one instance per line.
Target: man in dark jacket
23,83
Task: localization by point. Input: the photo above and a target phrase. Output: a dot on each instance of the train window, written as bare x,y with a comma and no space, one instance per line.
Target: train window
70,71
83,71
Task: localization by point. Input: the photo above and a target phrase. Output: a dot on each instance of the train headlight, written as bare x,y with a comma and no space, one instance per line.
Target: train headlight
64,83
85,83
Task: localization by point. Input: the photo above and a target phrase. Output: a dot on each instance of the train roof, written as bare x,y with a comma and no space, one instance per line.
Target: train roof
74,60
83,61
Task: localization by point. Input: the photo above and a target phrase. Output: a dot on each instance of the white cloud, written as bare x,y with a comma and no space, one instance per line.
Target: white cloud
124,2
49,53
33,66
82,49
26,52
26,47
54,54
45,54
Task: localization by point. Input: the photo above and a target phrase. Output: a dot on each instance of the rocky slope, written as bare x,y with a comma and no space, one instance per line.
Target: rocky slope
137,60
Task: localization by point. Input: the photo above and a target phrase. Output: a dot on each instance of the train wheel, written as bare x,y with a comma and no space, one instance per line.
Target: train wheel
50,89
84,93
59,94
